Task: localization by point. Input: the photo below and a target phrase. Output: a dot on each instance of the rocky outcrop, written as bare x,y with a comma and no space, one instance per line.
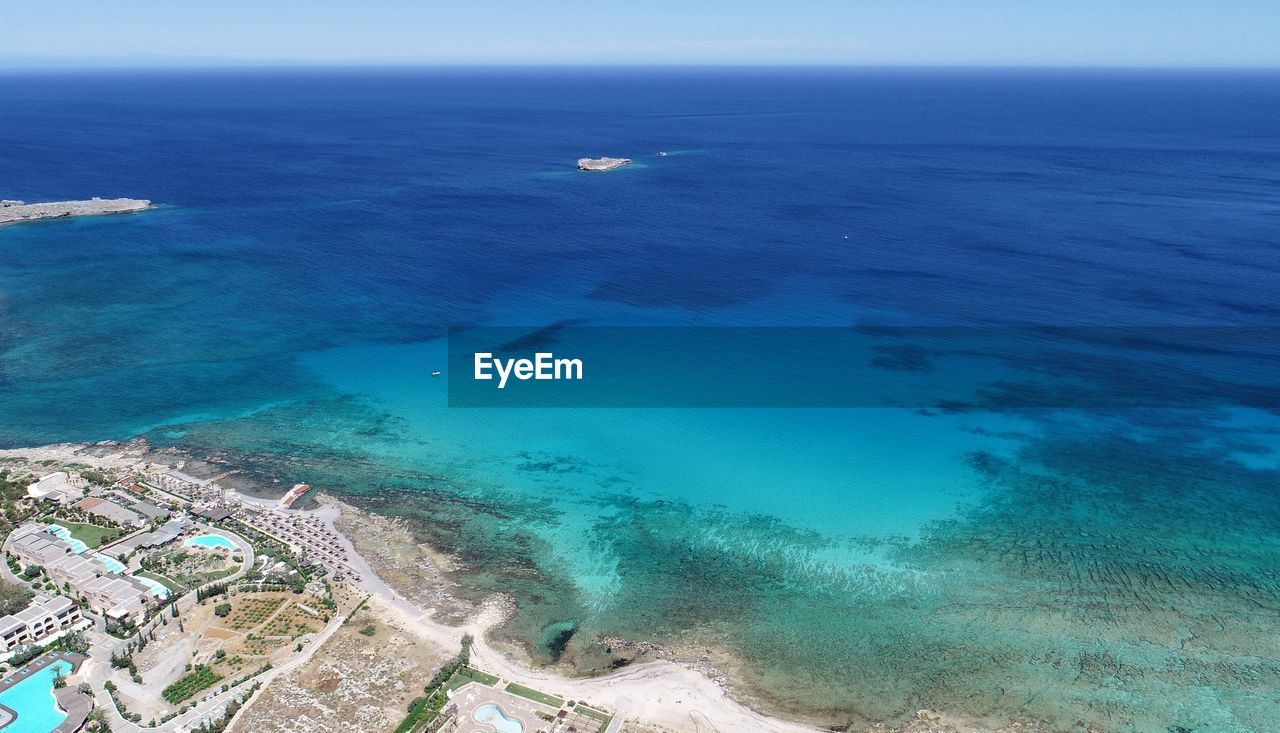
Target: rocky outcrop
600,165
14,211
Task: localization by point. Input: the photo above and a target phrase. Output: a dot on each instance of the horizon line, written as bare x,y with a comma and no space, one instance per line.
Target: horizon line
177,64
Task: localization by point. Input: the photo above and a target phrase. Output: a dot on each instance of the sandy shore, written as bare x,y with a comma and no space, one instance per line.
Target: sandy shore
661,693
657,693
658,696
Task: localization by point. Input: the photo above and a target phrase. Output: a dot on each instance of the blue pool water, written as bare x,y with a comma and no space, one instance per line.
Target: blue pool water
210,541
494,715
320,230
64,534
112,564
159,588
34,702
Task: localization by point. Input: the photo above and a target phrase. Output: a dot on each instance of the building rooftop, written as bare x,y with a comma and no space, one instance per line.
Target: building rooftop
162,535
58,604
216,513
110,510
31,613
41,547
148,509
37,611
78,567
55,486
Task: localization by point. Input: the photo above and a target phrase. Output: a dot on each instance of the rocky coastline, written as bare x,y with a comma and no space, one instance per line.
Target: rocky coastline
601,165
13,211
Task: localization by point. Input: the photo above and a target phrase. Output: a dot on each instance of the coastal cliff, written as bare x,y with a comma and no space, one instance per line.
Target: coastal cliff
600,165
15,211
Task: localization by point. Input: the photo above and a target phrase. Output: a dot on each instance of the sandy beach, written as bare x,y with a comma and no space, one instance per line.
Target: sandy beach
657,693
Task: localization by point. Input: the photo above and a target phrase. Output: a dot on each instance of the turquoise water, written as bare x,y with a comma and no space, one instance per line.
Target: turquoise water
158,587
113,564
494,715
322,229
34,702
904,468
64,534
210,541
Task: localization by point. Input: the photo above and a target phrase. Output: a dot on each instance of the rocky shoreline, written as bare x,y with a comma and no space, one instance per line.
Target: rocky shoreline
601,165
659,688
13,211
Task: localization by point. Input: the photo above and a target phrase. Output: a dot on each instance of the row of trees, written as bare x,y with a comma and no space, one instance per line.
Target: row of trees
74,642
209,591
427,706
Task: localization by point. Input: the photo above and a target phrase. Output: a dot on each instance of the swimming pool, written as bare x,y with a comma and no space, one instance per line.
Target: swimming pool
210,541
64,534
158,587
33,700
112,564
493,715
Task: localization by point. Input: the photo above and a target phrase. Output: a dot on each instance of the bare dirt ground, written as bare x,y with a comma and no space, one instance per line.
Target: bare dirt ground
355,682
262,628
398,559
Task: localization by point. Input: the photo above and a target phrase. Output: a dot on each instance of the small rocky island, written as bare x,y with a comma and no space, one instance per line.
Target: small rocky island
600,165
15,211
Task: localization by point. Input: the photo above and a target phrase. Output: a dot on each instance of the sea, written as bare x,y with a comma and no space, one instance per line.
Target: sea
1107,562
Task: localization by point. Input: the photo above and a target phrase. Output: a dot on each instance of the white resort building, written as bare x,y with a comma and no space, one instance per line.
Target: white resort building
36,623
88,575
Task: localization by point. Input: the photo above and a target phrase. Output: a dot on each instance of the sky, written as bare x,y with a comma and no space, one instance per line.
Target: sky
840,32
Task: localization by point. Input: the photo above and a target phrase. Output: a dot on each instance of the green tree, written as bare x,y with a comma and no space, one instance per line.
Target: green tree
13,598
75,642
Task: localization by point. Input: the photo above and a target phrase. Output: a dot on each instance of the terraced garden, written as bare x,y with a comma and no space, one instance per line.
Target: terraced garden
199,678
248,613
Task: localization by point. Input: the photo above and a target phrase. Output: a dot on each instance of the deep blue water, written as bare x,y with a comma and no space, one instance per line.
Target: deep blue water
320,229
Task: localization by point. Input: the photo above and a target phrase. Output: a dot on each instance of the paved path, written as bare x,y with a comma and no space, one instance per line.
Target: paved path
5,572
214,703
102,645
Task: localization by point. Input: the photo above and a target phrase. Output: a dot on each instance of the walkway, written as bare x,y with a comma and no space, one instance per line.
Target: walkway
193,717
104,645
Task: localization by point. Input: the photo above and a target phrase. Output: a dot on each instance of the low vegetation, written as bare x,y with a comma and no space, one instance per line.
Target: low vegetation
13,598
251,612
190,569
465,675
92,535
603,717
532,694
425,709
189,684
13,509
